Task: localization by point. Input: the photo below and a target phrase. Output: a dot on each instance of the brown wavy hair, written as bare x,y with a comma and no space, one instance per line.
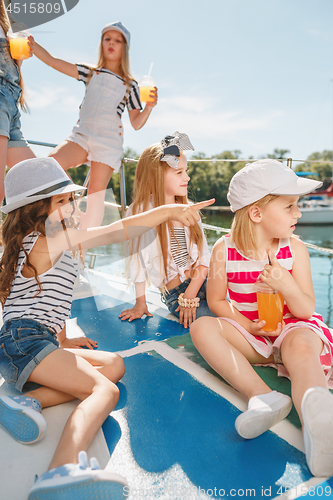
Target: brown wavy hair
5,25
149,187
18,224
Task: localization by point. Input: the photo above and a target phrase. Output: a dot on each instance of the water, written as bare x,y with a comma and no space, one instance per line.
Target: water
321,263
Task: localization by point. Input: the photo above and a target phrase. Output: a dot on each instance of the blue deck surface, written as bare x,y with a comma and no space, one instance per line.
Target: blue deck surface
173,419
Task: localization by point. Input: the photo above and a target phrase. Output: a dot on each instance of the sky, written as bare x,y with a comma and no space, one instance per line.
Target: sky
248,75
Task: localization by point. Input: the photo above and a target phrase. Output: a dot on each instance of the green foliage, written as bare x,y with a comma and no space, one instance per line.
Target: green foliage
210,179
317,164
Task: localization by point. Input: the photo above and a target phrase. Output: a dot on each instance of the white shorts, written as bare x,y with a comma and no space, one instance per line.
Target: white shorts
100,149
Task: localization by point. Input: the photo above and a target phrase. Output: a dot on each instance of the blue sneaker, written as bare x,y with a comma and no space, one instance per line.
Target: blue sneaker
21,417
79,482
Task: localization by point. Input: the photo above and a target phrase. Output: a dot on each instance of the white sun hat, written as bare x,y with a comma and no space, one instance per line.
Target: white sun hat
33,180
263,177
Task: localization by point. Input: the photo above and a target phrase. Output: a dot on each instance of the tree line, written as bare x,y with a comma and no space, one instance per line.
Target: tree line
211,178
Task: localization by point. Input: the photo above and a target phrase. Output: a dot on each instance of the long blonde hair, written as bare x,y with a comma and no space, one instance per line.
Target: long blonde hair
242,227
149,187
5,25
124,67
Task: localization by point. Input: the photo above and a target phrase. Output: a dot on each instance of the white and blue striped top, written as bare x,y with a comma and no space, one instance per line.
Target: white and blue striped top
51,306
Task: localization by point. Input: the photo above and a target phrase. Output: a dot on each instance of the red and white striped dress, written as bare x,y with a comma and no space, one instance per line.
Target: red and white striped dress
242,273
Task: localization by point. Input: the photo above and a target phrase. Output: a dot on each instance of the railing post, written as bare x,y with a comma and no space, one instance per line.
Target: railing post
122,187
289,162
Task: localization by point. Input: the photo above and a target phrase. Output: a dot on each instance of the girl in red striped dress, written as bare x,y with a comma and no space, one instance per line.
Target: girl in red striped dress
261,247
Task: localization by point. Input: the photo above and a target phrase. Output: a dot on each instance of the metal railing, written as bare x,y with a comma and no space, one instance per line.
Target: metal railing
217,229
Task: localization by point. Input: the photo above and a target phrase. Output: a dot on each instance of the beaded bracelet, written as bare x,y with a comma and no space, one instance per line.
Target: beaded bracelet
188,302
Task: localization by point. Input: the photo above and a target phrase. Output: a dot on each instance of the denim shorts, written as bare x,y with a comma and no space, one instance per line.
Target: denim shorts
10,117
23,344
170,299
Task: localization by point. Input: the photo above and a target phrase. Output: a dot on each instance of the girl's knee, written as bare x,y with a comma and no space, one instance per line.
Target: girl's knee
113,366
303,343
200,326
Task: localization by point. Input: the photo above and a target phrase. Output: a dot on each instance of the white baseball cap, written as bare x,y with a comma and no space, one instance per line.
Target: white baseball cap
118,26
263,177
33,180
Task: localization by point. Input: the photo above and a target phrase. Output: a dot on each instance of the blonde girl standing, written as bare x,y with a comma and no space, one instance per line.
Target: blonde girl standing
37,274
97,138
176,259
13,146
261,247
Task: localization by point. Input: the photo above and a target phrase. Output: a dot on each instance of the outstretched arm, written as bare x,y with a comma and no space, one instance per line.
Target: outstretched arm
65,67
124,229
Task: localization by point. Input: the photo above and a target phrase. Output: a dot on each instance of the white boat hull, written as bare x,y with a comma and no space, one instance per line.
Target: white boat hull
318,215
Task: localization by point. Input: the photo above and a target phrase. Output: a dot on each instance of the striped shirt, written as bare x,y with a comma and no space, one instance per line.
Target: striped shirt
242,273
131,97
178,247
51,306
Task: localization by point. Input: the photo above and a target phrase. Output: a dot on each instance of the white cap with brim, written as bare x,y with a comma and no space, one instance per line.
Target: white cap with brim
263,177
33,180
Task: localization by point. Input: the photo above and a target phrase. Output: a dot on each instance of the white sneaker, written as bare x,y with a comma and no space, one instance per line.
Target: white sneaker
263,412
317,415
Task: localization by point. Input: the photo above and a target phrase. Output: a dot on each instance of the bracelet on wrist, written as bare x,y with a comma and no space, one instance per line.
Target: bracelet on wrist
189,303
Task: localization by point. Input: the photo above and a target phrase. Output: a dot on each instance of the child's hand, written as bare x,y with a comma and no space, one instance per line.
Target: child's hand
276,276
135,312
31,43
78,343
187,315
153,99
188,214
256,328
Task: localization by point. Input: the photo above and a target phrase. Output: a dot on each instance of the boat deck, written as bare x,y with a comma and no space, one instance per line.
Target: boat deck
172,433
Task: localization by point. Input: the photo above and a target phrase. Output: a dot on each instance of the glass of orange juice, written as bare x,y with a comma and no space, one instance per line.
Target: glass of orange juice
146,85
270,306
18,44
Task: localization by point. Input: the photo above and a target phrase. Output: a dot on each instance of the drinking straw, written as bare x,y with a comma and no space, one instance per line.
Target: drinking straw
151,67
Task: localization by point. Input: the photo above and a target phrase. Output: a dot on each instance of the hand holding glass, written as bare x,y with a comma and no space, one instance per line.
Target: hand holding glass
270,306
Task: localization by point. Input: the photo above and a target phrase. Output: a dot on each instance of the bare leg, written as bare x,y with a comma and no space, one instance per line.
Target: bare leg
100,175
229,354
300,352
69,154
9,157
109,364
66,372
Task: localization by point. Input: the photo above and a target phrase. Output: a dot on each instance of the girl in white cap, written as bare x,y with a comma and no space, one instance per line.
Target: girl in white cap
37,274
261,247
177,260
97,138
13,146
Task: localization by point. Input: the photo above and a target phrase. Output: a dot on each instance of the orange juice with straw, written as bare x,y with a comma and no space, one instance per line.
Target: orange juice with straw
19,48
270,306
146,85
